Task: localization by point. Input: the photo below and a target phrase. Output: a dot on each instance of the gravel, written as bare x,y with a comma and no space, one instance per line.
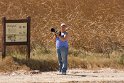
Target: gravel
104,75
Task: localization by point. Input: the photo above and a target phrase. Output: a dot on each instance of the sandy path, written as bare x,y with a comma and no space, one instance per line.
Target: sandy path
72,75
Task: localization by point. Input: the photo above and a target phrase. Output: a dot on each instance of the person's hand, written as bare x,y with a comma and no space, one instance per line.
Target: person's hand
57,34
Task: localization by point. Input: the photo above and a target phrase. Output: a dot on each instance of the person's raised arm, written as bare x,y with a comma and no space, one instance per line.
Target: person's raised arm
54,38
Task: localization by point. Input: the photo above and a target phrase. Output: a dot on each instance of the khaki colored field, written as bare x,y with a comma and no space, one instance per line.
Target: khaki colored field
96,29
47,61
93,25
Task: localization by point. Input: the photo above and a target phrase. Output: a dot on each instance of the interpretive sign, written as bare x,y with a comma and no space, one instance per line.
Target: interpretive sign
16,32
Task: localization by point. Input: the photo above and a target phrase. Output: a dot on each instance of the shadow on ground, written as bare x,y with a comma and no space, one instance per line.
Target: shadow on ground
42,65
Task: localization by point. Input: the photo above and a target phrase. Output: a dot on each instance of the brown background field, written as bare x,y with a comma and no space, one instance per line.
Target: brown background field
93,25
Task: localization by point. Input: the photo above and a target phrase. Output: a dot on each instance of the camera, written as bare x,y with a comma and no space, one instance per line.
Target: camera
55,31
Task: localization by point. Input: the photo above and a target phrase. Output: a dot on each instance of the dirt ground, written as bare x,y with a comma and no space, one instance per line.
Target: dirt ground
105,75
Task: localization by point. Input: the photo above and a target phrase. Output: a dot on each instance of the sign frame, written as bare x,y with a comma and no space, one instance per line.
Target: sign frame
5,43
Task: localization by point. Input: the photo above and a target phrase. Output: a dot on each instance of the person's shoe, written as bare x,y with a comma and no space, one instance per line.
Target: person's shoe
63,73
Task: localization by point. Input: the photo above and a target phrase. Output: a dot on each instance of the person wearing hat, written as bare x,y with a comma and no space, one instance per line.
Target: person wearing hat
62,48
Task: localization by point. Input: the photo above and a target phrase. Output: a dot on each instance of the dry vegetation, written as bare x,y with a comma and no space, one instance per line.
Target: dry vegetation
94,25
47,61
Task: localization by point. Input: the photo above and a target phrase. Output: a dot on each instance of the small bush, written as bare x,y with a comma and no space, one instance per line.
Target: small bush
121,59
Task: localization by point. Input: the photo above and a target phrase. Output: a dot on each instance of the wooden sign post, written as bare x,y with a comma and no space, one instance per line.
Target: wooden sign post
16,32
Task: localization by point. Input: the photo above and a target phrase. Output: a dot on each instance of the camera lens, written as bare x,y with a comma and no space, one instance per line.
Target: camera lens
52,30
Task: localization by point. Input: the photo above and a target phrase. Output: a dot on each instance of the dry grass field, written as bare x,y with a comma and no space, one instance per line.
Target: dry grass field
93,25
96,29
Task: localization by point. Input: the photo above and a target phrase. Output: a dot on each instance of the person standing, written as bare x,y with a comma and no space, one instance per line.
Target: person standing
61,40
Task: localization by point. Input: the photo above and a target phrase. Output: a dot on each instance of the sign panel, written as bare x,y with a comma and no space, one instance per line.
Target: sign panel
16,32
